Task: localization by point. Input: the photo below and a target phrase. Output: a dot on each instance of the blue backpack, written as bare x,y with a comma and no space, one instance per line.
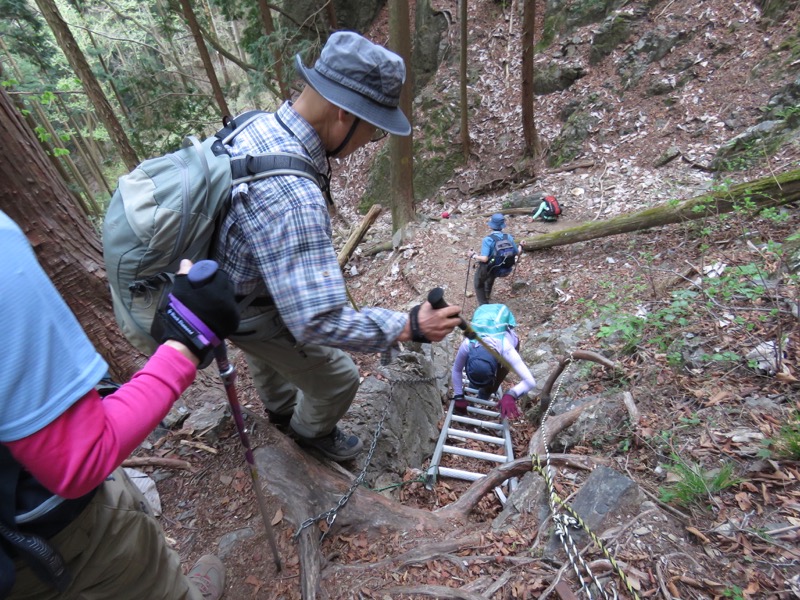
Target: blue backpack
503,256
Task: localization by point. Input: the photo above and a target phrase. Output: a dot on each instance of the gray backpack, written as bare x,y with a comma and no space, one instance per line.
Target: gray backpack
167,209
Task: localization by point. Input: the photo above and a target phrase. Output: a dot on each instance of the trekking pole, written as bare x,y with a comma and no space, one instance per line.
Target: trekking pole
436,298
200,273
466,283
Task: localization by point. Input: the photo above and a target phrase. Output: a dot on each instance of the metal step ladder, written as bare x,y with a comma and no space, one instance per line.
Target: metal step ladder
482,415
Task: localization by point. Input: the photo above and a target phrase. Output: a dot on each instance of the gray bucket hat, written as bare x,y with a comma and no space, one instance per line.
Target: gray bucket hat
362,78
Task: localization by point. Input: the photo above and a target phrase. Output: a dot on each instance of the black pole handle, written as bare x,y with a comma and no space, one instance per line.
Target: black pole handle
436,299
202,272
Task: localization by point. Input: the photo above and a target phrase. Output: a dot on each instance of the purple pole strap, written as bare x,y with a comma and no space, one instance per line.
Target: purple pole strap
207,336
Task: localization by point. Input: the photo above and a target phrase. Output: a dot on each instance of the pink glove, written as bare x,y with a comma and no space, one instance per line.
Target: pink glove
508,407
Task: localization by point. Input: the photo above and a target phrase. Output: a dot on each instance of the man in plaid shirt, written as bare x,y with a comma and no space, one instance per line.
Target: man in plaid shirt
275,243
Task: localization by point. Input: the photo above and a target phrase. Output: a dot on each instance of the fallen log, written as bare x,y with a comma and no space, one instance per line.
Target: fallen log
762,193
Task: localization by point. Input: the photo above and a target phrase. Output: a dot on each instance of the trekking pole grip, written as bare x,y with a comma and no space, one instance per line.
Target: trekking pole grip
436,299
201,273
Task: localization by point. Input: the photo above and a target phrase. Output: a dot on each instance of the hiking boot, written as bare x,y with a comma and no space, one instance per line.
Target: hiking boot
208,576
337,445
281,422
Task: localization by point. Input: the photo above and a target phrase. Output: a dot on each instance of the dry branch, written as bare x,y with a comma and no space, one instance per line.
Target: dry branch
545,396
435,591
763,193
355,239
157,461
470,498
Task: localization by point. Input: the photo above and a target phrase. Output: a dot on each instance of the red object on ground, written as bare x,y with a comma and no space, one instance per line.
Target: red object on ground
445,215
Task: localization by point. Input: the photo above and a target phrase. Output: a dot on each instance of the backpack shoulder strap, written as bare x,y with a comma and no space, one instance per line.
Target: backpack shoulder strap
232,126
258,166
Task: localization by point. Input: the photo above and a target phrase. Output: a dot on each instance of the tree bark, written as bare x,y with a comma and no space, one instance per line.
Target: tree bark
333,22
83,71
191,20
762,193
269,28
67,246
462,70
532,145
401,149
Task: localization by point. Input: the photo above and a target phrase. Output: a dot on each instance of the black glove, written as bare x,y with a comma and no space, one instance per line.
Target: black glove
200,315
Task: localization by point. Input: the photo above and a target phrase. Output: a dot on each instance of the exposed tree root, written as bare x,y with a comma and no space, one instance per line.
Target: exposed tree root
307,487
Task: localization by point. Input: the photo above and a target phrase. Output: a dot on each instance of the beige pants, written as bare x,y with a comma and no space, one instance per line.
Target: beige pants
315,384
115,550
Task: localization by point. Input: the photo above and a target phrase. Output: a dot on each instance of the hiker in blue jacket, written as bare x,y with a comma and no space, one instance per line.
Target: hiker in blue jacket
276,244
489,266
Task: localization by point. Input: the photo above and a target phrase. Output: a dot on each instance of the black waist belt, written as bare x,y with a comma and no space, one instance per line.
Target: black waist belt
258,300
53,521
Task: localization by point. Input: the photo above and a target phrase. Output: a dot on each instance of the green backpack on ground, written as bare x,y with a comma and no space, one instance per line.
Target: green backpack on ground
167,209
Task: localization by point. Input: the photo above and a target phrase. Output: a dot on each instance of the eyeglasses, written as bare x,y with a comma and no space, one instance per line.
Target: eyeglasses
378,134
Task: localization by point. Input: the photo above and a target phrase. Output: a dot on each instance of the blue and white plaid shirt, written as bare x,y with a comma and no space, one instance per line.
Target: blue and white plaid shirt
278,230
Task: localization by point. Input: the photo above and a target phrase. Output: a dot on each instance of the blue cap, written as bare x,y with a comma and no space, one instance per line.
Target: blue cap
497,222
481,367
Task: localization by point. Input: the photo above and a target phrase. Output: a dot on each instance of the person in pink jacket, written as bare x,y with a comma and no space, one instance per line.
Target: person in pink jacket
72,525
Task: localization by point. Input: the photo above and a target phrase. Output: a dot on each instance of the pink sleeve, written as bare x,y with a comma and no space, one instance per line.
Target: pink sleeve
79,449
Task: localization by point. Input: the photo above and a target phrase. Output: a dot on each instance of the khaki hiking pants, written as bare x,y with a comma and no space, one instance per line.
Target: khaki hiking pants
115,550
315,384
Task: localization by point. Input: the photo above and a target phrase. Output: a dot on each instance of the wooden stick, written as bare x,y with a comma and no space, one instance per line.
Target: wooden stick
355,238
157,461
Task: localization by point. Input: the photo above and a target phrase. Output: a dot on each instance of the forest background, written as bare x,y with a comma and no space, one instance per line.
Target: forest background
637,105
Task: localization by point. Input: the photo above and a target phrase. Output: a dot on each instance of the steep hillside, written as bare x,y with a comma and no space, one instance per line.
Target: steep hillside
679,308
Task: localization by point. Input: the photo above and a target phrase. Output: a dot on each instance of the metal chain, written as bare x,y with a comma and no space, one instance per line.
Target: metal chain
330,514
563,522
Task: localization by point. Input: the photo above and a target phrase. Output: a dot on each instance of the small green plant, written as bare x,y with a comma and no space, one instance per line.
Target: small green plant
735,593
787,443
625,328
696,485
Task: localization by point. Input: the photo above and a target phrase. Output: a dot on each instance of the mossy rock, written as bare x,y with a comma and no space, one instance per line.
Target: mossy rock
561,17
556,77
568,145
612,33
435,155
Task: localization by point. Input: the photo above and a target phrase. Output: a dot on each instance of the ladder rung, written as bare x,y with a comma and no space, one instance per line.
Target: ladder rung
486,413
500,458
475,422
471,435
459,474
476,400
